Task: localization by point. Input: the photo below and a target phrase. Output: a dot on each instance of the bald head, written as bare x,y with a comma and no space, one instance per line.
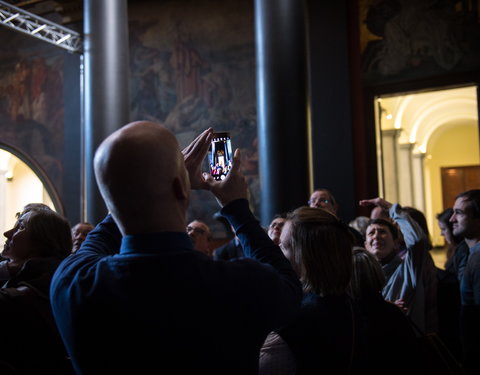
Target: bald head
141,175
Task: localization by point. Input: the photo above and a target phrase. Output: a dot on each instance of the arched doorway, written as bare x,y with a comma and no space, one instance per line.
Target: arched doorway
418,135
22,182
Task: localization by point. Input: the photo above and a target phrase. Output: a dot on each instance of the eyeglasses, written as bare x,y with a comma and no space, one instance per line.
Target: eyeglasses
321,200
196,230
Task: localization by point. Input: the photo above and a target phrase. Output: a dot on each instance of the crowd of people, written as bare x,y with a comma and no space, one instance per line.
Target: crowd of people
143,291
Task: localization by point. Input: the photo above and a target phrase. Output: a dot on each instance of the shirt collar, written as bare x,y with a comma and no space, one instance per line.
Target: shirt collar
475,248
155,242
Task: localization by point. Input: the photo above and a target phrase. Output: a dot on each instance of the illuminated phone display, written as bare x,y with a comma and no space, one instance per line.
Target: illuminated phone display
221,157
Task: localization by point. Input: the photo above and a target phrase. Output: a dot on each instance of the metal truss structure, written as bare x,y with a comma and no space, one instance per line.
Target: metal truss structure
38,27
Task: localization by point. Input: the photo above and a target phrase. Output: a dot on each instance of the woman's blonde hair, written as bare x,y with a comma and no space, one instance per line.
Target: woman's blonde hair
321,246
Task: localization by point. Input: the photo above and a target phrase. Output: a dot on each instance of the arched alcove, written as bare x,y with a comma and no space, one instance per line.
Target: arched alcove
22,181
420,133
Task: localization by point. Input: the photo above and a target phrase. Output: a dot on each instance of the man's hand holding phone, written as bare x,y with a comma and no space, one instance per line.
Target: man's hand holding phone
232,184
232,187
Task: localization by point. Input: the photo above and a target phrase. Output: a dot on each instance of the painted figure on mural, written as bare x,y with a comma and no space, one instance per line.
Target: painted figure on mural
186,62
38,91
152,85
20,94
216,89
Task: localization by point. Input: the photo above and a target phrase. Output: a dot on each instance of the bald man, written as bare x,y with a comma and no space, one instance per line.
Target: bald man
138,298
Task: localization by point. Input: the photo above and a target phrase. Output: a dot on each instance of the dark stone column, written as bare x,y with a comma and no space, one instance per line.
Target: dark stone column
282,106
332,133
73,176
106,104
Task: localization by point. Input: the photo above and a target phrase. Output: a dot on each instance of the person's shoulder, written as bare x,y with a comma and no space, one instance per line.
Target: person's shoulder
250,271
241,263
461,251
475,249
226,251
474,261
82,261
224,247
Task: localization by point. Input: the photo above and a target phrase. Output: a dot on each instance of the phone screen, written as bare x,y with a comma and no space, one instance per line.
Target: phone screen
221,157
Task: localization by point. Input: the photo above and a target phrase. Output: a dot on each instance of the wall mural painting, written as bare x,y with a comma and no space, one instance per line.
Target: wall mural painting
31,101
409,39
191,70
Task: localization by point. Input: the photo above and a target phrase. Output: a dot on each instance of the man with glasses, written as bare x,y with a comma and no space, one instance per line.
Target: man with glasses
323,198
275,228
200,235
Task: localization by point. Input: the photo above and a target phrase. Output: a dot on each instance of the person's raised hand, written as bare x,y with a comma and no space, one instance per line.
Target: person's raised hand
378,202
233,187
194,155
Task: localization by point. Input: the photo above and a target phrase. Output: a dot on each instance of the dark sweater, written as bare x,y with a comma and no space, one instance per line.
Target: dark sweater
159,304
30,341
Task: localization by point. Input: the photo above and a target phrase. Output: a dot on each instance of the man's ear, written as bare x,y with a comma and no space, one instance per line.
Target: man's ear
180,189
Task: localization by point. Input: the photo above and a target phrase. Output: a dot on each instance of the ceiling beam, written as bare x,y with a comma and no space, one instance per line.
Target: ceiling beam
40,28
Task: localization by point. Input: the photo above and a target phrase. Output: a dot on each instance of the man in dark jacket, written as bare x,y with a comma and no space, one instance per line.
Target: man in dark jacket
466,223
159,304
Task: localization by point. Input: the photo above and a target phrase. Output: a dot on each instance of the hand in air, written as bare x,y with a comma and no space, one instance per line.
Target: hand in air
194,155
378,202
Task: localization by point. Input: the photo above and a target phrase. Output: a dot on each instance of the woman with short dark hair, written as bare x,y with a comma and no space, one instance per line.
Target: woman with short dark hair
35,246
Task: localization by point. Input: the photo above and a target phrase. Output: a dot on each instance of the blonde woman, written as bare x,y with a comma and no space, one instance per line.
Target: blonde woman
325,336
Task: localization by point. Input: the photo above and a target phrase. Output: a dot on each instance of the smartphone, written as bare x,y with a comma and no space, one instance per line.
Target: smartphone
221,157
